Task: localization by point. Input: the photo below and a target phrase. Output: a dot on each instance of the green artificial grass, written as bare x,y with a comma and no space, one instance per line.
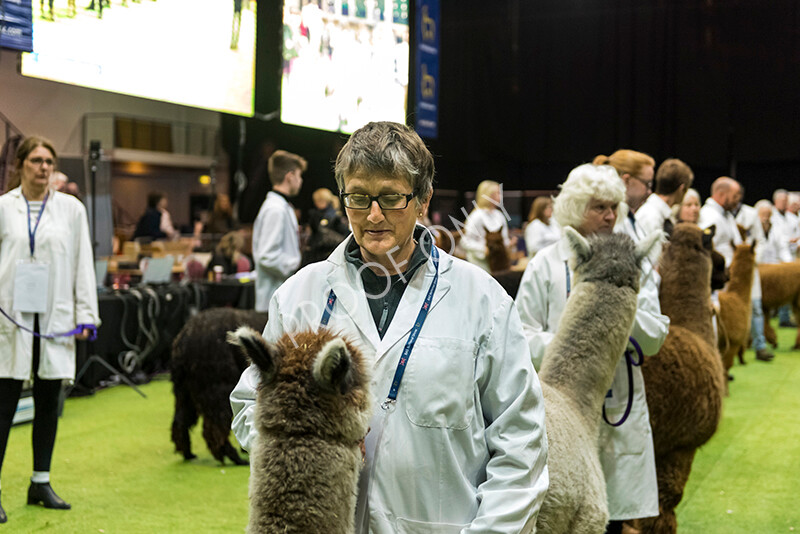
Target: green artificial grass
114,462
746,479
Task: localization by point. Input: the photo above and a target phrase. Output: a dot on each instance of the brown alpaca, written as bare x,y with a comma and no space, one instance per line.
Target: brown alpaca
780,284
685,381
312,411
500,263
734,305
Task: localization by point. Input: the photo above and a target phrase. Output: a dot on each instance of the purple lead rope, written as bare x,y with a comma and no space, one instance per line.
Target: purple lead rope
77,330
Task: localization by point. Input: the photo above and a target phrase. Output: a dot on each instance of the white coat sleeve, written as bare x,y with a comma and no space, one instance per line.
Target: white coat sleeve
243,396
270,251
86,307
650,327
517,478
474,238
532,303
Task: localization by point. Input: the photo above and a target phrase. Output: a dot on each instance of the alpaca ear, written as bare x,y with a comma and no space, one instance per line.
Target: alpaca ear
333,368
708,236
646,245
578,244
263,355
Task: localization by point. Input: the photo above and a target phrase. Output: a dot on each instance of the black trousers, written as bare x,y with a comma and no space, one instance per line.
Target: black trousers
45,419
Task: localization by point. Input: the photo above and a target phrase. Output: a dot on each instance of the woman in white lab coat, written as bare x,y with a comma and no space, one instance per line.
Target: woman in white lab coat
488,215
589,202
462,447
47,285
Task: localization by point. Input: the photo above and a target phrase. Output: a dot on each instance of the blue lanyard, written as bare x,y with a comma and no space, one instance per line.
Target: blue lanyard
32,233
412,338
569,282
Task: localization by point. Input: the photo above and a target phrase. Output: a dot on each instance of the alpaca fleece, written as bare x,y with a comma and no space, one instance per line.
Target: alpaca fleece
500,263
312,411
734,305
685,381
204,370
577,371
780,284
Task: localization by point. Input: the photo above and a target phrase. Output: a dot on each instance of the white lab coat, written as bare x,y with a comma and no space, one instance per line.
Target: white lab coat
474,239
276,247
465,449
626,452
651,217
62,241
786,224
539,235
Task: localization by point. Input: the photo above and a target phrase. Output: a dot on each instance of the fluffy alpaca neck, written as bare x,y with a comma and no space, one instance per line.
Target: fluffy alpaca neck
741,280
591,338
685,292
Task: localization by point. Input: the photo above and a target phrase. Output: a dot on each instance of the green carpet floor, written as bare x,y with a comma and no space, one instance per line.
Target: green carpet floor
115,463
747,478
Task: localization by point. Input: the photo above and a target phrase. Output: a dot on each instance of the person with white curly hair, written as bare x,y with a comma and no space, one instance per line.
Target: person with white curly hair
590,201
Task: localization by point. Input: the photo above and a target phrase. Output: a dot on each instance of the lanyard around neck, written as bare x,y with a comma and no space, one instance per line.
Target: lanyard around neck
32,232
412,337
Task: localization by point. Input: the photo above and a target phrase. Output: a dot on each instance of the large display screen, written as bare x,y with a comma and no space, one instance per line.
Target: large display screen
198,53
345,63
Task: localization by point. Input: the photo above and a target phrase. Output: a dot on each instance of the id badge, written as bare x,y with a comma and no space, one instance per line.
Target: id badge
31,285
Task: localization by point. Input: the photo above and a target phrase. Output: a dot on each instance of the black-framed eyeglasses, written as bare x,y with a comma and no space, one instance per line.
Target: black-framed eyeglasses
647,184
360,201
40,161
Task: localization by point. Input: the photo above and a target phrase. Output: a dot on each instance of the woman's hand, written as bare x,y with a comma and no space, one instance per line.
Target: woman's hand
83,335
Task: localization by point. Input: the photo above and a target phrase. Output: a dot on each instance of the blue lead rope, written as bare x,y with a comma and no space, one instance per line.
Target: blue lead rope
412,338
77,330
630,364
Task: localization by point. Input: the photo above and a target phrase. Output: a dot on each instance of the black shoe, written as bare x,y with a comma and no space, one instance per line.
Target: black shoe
764,355
43,493
3,516
790,324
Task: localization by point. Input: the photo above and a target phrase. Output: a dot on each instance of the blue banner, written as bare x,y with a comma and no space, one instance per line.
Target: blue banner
427,61
16,25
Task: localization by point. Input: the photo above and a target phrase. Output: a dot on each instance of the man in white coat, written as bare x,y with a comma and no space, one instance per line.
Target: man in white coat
459,447
785,224
276,243
673,179
590,202
726,195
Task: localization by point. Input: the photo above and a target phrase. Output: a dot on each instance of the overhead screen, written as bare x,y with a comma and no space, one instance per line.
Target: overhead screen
197,53
345,63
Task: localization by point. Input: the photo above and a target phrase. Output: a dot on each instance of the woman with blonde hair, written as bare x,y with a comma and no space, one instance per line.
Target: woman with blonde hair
689,209
542,229
636,170
486,217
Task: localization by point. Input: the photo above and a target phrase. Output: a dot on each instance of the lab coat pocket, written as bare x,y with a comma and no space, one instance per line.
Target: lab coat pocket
409,526
437,388
62,319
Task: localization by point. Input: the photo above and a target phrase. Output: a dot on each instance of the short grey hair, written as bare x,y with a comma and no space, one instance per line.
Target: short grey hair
584,183
387,149
778,193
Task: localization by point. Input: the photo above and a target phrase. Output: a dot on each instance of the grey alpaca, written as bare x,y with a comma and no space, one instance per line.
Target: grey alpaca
312,411
577,371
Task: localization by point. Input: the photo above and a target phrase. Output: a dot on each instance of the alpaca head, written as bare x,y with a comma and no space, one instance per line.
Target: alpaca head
744,260
310,383
613,259
498,254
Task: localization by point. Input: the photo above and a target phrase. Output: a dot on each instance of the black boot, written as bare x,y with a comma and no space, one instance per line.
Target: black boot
3,516
43,493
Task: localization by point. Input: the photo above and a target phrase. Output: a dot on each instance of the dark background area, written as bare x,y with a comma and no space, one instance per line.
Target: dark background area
529,90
